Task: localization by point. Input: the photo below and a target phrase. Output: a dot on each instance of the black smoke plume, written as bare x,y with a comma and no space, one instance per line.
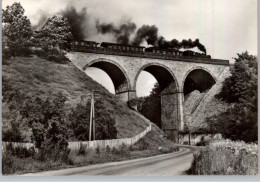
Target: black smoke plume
186,44
121,33
80,28
146,33
78,22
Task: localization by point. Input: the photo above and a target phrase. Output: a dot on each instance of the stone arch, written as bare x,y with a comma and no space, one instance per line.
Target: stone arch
117,74
170,113
156,65
198,68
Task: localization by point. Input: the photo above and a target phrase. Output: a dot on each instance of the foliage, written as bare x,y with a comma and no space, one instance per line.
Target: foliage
53,38
124,149
13,134
20,152
226,157
17,31
108,149
150,106
82,149
243,80
46,118
131,103
239,122
79,119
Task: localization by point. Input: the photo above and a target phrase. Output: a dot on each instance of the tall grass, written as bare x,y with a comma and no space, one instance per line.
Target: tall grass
225,157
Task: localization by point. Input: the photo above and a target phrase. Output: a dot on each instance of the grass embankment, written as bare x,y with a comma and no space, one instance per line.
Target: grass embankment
226,158
38,77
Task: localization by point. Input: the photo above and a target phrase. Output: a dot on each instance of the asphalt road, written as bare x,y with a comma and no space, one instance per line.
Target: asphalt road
162,165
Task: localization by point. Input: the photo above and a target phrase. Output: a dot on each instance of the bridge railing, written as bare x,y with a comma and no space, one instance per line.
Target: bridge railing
110,51
75,145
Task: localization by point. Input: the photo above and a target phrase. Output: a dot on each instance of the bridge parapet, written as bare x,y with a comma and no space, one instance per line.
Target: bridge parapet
138,53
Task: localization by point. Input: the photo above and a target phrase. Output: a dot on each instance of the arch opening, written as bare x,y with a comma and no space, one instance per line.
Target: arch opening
116,74
198,79
164,78
167,99
145,84
101,77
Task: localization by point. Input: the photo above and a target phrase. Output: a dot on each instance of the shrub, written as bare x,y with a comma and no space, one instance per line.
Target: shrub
98,150
7,163
225,158
140,145
53,153
108,149
132,102
114,150
124,149
82,149
202,142
20,152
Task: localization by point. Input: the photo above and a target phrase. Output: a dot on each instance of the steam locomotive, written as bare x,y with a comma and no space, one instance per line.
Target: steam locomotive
81,45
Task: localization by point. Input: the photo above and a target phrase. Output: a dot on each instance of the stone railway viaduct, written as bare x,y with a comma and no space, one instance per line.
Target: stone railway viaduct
177,75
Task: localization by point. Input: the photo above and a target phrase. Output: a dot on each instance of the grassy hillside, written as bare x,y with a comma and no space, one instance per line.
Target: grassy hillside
39,77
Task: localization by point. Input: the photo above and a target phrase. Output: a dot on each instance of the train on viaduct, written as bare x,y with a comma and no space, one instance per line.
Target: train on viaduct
178,73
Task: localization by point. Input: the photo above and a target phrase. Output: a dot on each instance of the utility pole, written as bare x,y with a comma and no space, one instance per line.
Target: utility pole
92,125
91,113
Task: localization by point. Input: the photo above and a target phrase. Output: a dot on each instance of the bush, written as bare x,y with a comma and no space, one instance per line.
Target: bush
140,145
202,142
225,158
114,151
124,149
20,152
108,149
132,102
98,150
82,149
7,163
54,154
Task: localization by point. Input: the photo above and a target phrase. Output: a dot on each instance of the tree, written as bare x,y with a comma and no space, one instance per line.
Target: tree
150,106
79,119
239,122
46,117
54,36
243,80
17,31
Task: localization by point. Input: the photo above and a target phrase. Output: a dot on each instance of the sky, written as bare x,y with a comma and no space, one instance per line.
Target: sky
225,27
